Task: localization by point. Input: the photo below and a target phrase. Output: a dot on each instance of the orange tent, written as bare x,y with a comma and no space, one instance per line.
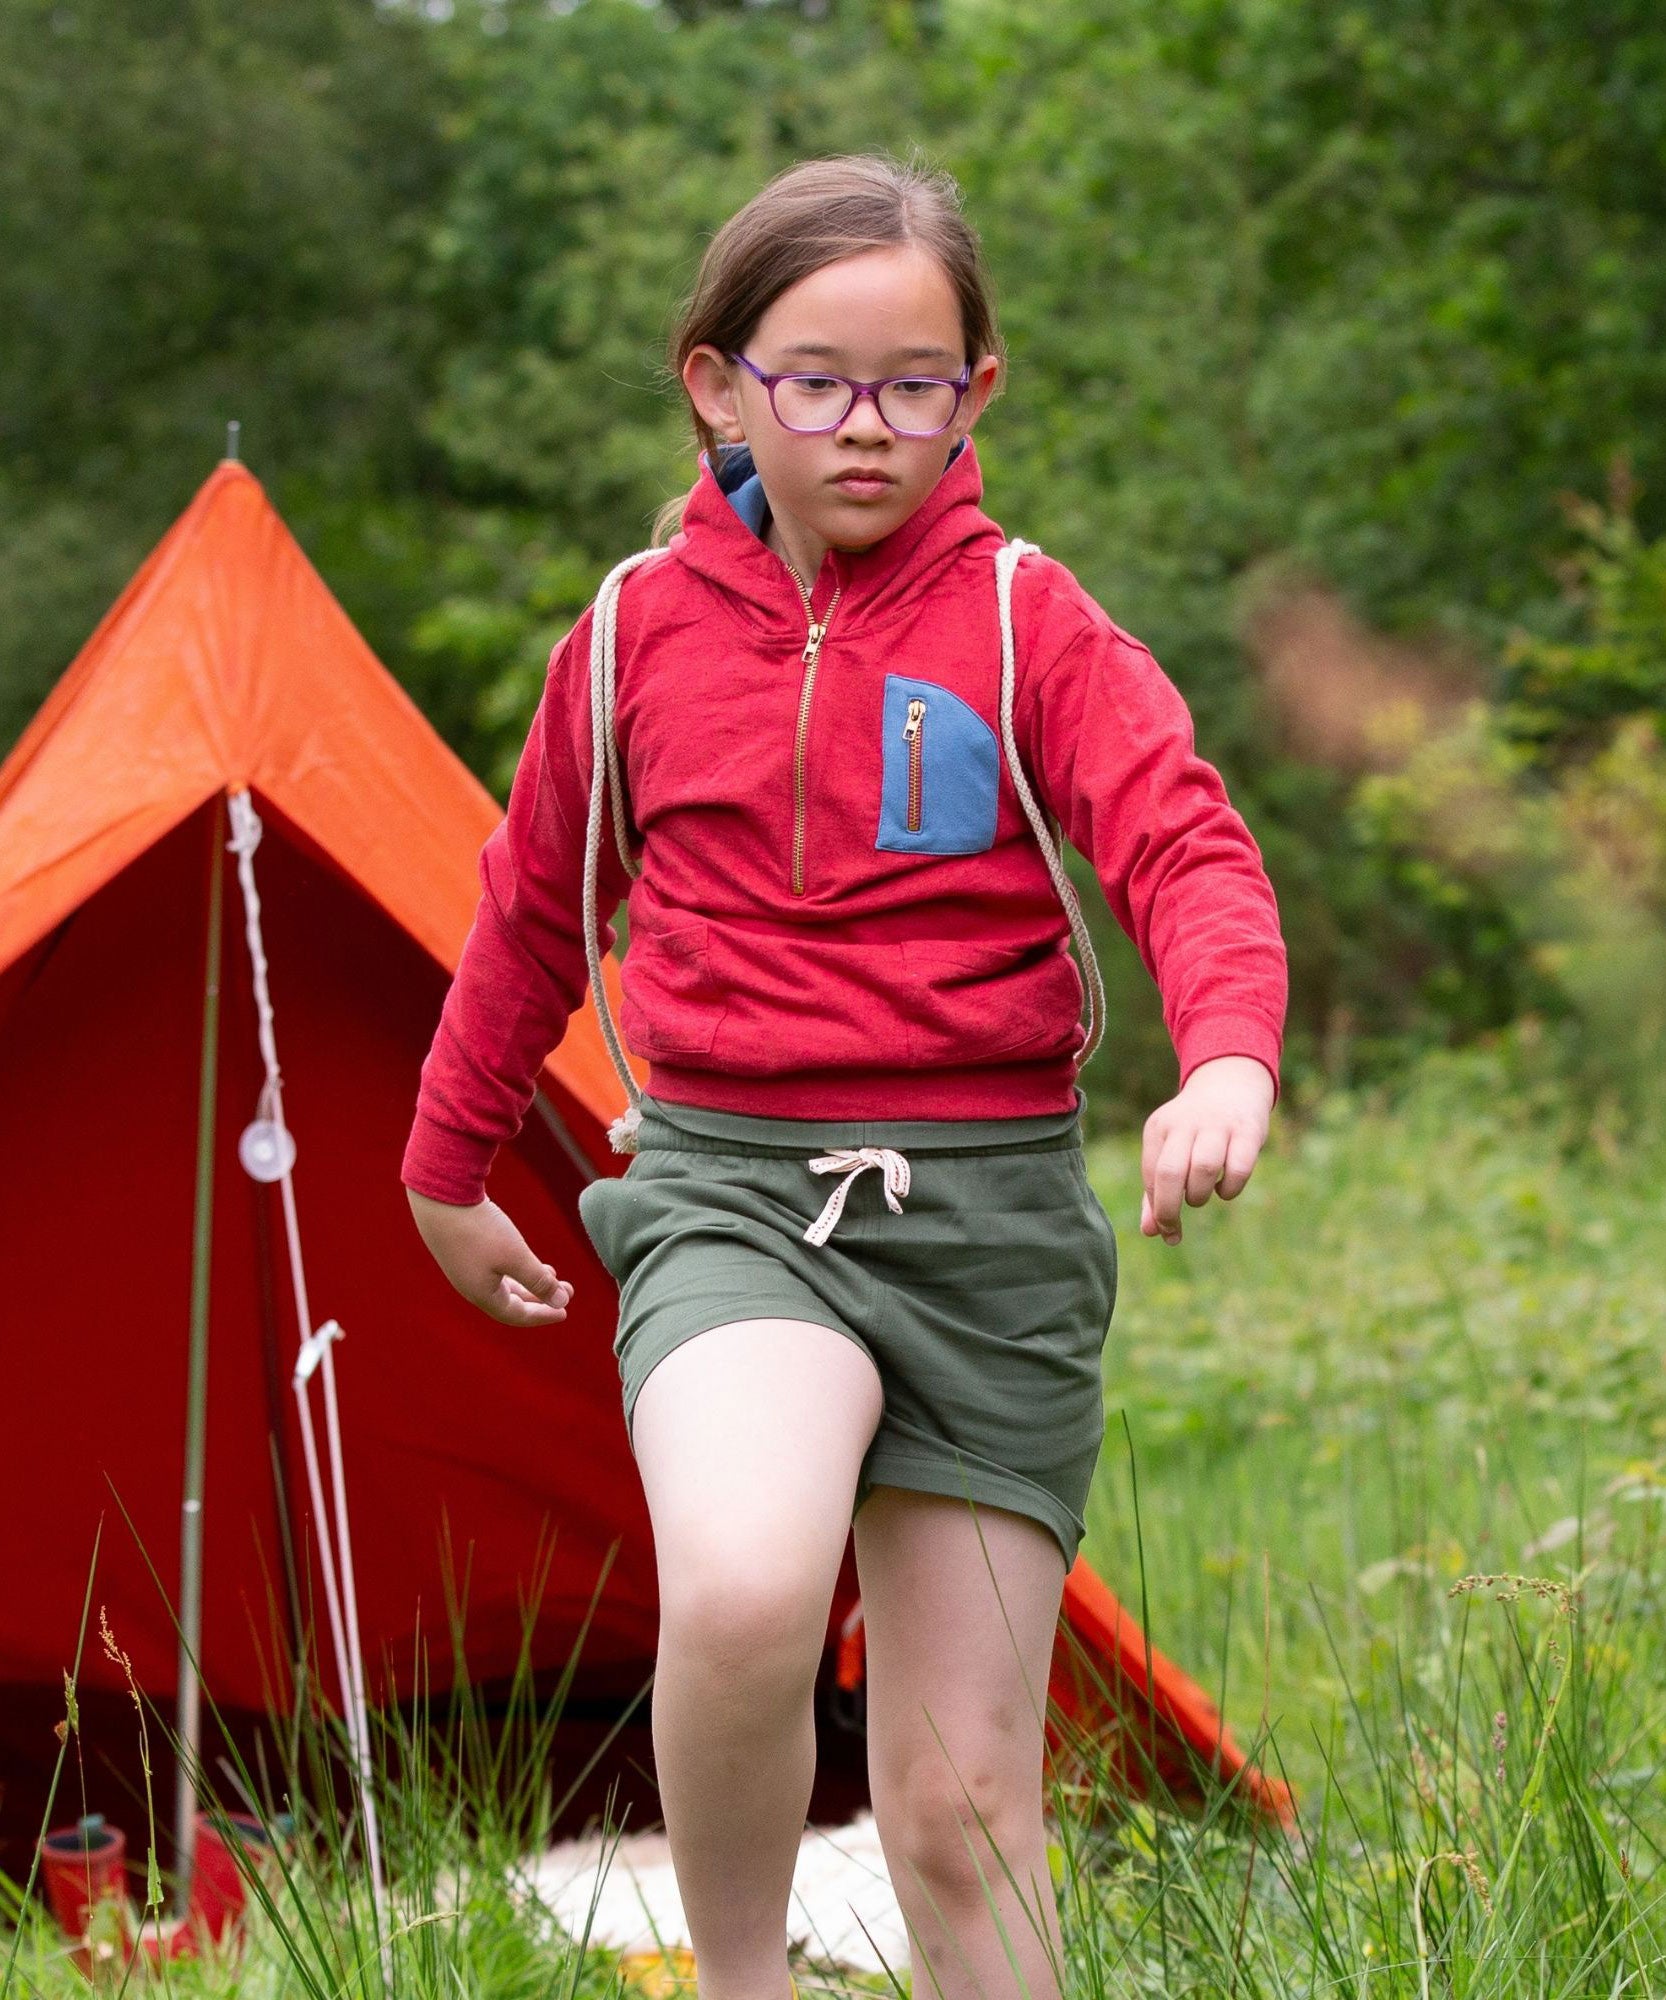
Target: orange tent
226,664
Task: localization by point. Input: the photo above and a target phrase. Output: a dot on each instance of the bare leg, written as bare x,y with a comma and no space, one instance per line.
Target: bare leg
749,1439
960,1637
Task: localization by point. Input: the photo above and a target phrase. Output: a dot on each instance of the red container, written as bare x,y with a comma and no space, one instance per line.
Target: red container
82,1865
218,1890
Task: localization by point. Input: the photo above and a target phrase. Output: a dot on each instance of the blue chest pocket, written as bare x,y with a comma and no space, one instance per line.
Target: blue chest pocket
942,775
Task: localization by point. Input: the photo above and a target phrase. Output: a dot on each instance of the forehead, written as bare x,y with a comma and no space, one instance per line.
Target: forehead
883,306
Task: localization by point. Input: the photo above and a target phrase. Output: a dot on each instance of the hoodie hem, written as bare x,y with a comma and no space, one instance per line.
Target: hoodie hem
1013,1091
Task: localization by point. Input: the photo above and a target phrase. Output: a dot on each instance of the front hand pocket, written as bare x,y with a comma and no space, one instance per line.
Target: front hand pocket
673,1002
940,788
966,1000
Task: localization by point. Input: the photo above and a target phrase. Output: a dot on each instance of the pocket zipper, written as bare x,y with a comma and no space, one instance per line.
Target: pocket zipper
913,734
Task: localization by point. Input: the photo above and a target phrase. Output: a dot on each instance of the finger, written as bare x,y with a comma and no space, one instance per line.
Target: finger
1151,1144
561,1296
1242,1152
1169,1182
1148,1222
1208,1160
514,1308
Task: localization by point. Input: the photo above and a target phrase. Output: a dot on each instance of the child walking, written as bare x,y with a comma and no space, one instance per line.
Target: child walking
817,737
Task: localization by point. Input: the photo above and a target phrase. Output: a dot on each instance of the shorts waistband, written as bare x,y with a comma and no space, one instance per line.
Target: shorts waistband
696,1129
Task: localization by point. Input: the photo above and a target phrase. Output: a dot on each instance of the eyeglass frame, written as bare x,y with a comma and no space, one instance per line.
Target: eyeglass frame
857,391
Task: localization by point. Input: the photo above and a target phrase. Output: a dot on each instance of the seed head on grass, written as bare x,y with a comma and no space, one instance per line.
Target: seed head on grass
153,1875
1565,1599
72,1713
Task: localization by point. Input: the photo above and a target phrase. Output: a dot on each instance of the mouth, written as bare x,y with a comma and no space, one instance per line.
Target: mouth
864,482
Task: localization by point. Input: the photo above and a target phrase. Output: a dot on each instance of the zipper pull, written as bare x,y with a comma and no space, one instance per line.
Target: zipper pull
812,645
916,716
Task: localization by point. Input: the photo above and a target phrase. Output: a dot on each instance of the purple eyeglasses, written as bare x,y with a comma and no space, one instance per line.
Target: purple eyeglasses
911,405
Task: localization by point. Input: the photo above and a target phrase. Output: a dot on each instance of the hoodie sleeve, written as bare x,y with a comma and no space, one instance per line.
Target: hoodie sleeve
1109,742
523,971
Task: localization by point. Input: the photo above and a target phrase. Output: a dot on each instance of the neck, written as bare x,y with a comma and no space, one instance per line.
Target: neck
797,545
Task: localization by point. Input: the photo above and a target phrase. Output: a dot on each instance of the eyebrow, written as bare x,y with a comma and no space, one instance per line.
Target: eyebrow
824,352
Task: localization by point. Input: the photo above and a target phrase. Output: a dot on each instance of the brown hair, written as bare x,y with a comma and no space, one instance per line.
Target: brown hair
811,215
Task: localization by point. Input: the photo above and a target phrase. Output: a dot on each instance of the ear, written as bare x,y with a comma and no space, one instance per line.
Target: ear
982,387
709,380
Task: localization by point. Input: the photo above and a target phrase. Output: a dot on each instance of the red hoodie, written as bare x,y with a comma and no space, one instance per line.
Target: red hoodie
842,912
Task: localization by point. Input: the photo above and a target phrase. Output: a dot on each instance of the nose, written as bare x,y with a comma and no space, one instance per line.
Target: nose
863,423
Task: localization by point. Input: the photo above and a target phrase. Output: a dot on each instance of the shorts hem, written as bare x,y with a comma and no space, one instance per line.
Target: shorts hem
668,1337
916,1472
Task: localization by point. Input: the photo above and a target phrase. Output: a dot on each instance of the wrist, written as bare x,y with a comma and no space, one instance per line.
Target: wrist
1206,1040
1243,1072
419,1200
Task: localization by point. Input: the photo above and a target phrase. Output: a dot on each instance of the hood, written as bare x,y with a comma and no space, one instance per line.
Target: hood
721,538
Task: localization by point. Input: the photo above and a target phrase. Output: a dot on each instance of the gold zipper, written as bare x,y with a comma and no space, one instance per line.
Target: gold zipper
809,657
913,731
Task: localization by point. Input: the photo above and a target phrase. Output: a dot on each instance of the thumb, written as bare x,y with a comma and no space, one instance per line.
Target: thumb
539,1278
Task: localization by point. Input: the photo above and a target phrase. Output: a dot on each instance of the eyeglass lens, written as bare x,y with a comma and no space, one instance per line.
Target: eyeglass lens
818,403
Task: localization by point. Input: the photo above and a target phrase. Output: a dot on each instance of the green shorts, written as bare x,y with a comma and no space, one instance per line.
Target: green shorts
983,1304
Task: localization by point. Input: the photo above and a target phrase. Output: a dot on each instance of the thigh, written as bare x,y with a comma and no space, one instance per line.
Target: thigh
961,1609
1000,1277
749,1438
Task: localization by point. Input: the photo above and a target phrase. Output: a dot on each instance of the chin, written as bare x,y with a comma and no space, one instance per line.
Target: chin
862,523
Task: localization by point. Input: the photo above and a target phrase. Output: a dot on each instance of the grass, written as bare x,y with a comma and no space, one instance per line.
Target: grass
1398,1418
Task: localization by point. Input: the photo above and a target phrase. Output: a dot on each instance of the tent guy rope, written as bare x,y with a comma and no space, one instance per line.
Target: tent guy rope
315,1354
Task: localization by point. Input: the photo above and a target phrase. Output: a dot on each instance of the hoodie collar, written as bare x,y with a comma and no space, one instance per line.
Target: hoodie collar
722,539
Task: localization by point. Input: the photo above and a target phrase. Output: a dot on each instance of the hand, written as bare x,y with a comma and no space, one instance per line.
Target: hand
485,1256
1207,1137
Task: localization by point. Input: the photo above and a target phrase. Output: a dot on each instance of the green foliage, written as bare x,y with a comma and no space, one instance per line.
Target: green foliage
1560,697
1352,293
1548,807
205,213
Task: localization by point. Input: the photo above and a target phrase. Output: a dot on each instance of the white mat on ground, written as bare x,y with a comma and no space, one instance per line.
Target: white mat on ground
843,1910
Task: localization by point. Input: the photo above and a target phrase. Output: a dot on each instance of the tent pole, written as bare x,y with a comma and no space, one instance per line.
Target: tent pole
189,1718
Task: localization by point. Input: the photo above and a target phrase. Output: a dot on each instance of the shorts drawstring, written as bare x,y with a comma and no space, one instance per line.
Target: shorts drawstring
852,1161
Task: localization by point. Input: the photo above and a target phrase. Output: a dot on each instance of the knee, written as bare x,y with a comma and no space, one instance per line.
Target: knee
752,1628
958,1827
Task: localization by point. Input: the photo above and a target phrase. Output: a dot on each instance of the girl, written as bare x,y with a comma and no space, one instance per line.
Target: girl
860,1265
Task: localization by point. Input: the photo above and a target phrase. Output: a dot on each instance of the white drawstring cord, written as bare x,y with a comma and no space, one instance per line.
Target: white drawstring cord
605,780
314,1353
852,1161
1006,561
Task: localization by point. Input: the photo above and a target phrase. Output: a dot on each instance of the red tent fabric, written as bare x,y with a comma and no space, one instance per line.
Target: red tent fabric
227,663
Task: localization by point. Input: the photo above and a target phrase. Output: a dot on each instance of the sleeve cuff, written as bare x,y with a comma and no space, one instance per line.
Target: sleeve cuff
446,1165
1230,1035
